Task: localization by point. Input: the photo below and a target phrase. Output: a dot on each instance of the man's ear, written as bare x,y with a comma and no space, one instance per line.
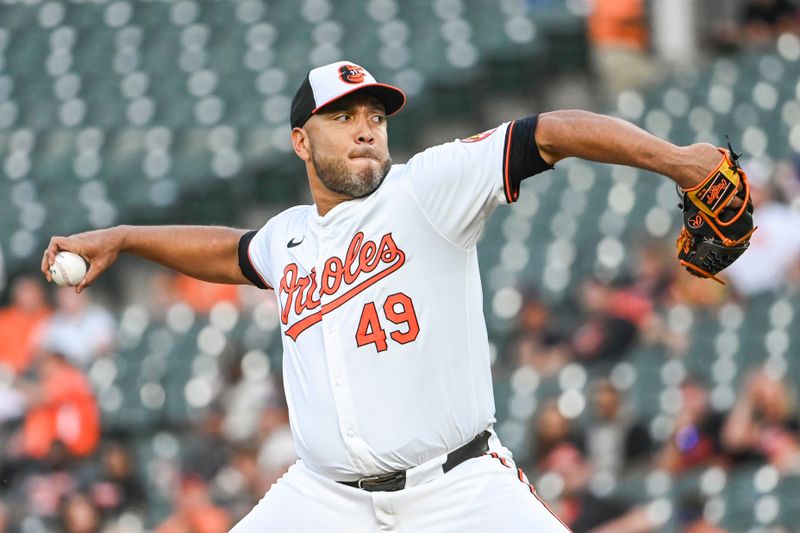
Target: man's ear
301,144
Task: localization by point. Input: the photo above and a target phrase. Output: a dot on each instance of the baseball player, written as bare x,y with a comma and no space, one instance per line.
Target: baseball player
386,357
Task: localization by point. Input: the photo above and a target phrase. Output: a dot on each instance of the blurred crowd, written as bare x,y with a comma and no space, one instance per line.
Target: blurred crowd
63,469
605,321
623,53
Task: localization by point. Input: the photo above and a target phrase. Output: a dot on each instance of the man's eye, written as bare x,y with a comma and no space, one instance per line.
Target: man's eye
378,118
341,118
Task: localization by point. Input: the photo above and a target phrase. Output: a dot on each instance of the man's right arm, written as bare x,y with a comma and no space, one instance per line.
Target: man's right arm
208,253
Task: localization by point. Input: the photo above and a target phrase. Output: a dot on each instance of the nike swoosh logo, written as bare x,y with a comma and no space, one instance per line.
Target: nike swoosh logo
292,244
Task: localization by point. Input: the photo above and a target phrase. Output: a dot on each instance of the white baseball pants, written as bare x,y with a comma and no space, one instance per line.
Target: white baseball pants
485,494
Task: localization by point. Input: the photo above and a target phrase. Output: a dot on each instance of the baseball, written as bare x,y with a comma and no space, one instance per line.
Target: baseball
68,269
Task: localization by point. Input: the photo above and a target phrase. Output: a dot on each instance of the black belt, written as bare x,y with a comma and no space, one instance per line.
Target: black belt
397,480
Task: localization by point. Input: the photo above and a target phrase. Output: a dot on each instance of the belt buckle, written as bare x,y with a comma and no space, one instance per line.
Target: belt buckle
386,478
368,480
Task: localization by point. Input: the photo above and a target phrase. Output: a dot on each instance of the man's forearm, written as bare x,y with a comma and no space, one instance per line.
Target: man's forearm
605,139
204,252
209,253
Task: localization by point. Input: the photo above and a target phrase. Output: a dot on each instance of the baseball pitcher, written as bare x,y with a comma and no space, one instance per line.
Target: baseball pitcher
386,357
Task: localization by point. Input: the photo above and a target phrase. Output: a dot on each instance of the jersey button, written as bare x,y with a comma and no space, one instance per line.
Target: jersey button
338,382
350,433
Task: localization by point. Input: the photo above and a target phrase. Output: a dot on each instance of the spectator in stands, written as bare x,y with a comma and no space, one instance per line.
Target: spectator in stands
117,489
61,410
242,482
773,259
205,454
764,20
695,292
202,296
763,424
21,322
79,330
696,438
619,36
78,514
654,278
161,294
583,511
690,516
194,511
654,271
536,341
5,521
247,394
613,317
277,452
613,439
551,429
45,484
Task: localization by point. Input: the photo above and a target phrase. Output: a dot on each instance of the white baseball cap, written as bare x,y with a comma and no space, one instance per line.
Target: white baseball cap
326,84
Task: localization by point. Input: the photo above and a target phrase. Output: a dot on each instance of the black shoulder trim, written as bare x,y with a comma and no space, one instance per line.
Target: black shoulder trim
521,157
246,265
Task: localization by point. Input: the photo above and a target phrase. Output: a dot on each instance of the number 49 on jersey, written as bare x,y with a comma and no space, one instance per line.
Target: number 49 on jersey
398,309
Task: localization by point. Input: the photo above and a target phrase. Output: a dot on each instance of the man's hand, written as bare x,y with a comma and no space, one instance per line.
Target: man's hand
99,248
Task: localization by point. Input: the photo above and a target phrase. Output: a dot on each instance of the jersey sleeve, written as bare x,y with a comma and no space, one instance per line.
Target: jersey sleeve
254,257
459,184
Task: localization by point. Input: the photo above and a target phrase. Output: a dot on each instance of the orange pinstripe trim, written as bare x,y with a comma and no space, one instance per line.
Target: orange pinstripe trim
510,195
551,511
521,477
501,459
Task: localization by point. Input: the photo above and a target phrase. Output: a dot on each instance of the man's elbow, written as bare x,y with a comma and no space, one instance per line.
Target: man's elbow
554,133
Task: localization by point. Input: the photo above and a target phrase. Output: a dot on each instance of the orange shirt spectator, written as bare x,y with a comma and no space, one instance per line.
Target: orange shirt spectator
619,22
63,408
20,323
201,296
195,511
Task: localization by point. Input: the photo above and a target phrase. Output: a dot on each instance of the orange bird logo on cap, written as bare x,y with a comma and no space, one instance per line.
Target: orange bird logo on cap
351,73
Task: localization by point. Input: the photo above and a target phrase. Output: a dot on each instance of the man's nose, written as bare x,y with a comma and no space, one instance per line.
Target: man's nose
364,135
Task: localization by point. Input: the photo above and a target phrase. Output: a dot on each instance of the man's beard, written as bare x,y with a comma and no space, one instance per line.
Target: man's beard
334,174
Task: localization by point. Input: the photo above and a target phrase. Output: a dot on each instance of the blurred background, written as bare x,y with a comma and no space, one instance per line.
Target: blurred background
636,397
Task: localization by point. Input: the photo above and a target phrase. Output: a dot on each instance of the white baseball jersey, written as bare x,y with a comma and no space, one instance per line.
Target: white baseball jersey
386,357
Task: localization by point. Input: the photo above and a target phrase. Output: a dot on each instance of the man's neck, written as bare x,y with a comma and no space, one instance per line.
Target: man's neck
324,198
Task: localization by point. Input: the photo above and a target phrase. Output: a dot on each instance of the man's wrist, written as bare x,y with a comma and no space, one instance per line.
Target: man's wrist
121,235
697,161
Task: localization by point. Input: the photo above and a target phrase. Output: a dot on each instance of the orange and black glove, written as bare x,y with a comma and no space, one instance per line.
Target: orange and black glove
715,234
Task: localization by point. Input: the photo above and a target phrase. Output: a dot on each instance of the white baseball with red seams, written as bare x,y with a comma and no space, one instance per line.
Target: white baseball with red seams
386,359
68,269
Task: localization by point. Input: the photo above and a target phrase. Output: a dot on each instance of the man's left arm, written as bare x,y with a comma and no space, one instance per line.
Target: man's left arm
574,133
717,210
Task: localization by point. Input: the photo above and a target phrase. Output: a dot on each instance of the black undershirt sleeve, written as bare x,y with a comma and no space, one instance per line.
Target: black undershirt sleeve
245,265
521,157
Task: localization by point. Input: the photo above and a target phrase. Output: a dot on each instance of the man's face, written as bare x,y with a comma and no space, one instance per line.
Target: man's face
348,141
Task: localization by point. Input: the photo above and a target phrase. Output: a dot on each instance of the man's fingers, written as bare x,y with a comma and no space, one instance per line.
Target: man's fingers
46,267
50,255
90,277
56,245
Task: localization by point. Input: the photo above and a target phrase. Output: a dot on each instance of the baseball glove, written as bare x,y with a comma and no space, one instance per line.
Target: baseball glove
715,233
